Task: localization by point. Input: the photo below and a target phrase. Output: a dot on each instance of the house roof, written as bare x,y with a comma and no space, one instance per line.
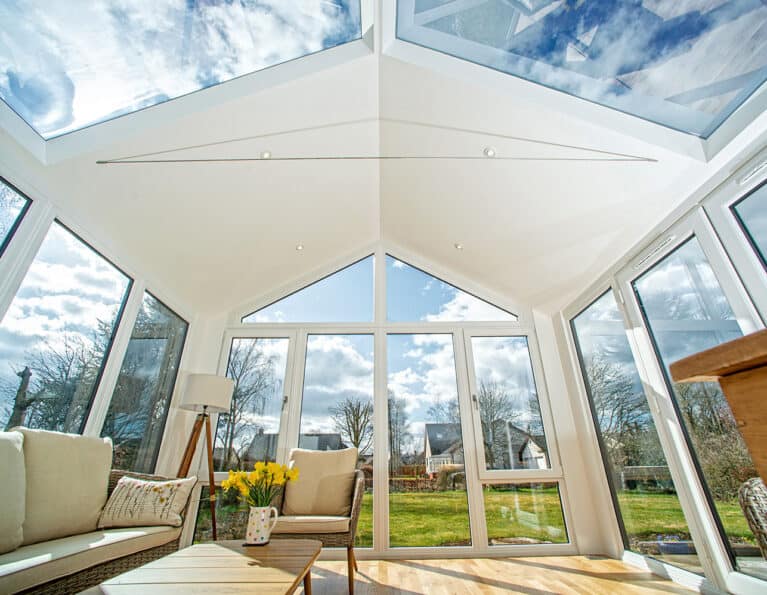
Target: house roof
442,437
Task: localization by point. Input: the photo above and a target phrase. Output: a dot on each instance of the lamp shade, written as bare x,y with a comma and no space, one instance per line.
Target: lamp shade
207,390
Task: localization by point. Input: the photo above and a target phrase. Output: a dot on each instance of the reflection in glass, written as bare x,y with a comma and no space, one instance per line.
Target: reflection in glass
685,65
687,312
751,213
136,417
510,416
249,432
56,334
344,296
524,514
649,508
428,504
337,407
66,69
412,294
12,206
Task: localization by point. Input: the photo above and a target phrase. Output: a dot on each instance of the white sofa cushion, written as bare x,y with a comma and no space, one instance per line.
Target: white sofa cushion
12,490
324,485
138,503
312,524
67,479
39,563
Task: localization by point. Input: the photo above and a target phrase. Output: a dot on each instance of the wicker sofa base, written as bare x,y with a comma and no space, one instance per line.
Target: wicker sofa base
90,577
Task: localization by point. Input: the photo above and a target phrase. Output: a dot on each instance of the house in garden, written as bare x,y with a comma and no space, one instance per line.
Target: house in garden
442,446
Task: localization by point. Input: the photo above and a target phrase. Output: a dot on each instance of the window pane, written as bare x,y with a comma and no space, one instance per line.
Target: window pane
344,296
59,63
687,312
231,517
428,504
751,212
510,416
337,407
641,483
56,334
12,205
685,65
412,294
249,432
139,406
524,514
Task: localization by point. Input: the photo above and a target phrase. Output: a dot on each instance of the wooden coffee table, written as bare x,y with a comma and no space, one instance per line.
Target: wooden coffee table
223,567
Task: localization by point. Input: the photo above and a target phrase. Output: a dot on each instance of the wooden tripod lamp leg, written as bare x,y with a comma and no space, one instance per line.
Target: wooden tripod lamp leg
211,481
191,446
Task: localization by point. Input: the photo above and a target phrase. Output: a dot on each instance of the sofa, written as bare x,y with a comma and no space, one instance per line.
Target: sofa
53,487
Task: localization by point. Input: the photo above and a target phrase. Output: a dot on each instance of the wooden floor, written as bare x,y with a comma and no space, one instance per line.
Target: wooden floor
533,576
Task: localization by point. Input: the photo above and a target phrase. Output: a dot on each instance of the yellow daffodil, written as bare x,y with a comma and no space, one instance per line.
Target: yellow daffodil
259,486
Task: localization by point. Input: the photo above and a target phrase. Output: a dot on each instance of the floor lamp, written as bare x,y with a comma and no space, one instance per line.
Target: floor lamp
206,394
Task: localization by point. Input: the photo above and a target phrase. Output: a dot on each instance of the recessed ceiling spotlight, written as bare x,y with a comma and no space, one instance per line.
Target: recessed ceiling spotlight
489,152
299,247
458,246
266,154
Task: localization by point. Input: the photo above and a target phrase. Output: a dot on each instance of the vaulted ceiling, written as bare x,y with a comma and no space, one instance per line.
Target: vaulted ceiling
202,217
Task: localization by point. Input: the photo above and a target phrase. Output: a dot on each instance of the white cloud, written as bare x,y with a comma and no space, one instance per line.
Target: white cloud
465,306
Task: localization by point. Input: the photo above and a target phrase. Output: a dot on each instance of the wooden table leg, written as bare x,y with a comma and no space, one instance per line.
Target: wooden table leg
308,583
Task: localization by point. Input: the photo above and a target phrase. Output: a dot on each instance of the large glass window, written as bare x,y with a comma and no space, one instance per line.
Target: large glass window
344,296
249,432
66,69
524,514
428,504
139,406
506,402
337,407
56,335
687,312
412,295
651,516
685,65
751,213
12,207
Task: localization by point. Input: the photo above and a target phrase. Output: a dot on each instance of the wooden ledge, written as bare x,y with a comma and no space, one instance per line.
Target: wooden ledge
744,353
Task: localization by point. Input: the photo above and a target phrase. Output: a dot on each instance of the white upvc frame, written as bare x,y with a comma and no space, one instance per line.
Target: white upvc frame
21,251
554,471
718,206
380,328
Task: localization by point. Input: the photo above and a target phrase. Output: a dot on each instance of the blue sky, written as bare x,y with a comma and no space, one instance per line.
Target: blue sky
62,69
411,294
686,64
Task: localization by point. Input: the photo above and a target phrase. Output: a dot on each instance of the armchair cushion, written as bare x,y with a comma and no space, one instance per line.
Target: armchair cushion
325,483
67,477
312,524
12,490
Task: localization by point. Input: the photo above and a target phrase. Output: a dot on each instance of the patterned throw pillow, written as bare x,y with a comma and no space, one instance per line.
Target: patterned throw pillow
140,503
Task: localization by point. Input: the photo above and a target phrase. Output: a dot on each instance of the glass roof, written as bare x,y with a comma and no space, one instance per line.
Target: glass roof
685,64
64,67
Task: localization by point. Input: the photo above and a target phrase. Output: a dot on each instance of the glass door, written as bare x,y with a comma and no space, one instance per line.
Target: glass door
688,299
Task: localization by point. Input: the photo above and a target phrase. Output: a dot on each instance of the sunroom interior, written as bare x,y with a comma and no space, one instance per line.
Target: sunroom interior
466,237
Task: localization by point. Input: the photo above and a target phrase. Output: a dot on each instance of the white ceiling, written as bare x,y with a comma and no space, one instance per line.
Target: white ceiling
214,235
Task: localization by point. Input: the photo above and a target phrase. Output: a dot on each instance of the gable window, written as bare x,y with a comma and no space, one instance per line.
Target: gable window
344,296
412,294
57,333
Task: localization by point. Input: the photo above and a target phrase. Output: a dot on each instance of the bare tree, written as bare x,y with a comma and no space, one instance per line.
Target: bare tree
254,382
353,419
398,434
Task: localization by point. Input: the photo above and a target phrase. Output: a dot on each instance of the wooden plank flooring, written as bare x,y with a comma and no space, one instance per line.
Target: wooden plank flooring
531,576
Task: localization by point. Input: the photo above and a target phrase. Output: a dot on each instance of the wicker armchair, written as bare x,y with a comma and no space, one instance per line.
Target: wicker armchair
753,500
345,539
94,575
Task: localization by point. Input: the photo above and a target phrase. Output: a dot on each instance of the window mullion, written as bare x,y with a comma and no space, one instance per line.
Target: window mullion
22,250
114,362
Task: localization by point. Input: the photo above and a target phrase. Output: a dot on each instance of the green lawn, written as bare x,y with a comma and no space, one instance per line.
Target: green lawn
441,518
